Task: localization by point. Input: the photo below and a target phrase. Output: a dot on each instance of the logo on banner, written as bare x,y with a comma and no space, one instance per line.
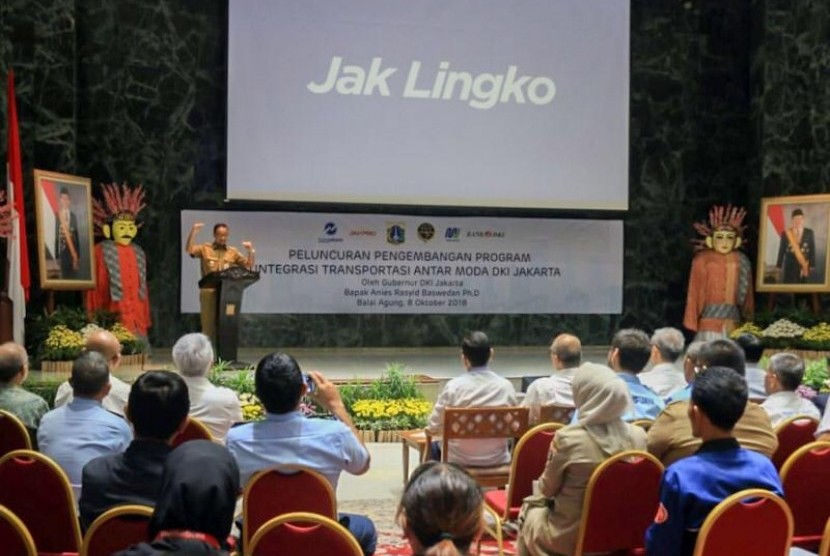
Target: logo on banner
426,231
486,234
362,233
395,234
452,234
330,230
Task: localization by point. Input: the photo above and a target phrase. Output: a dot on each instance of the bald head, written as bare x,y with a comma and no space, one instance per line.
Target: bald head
13,362
105,343
566,352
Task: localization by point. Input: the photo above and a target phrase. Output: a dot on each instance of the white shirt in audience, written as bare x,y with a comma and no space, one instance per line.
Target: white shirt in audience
555,389
664,379
115,401
216,407
780,406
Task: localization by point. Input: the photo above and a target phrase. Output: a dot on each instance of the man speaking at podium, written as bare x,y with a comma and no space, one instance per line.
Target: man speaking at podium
216,255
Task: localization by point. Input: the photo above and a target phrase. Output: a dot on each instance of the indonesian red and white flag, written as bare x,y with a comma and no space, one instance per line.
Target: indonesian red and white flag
17,252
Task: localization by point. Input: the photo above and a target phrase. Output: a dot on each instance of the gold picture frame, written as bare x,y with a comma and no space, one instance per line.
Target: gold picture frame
63,211
793,241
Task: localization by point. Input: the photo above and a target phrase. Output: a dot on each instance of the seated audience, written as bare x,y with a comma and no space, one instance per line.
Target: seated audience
629,354
550,526
196,503
287,438
670,438
755,375
692,487
565,357
477,387
82,430
690,362
157,409
218,408
14,368
441,511
664,377
105,343
784,374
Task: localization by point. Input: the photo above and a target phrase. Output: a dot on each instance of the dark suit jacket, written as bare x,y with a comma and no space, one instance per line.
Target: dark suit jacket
61,250
133,477
787,261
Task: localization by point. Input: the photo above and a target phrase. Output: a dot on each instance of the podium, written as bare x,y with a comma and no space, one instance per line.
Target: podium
229,285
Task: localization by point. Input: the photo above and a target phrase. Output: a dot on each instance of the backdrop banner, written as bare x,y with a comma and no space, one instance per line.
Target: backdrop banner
375,263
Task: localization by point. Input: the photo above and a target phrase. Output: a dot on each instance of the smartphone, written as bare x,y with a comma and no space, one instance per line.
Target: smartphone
309,383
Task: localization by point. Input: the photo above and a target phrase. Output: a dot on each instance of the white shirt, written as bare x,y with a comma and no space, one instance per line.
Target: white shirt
783,405
555,389
478,387
115,400
664,379
216,407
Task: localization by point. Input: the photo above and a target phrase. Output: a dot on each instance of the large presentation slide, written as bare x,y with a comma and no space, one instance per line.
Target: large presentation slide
490,103
396,264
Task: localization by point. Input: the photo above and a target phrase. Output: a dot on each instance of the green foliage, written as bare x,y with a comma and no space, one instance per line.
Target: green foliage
241,381
816,374
45,388
394,384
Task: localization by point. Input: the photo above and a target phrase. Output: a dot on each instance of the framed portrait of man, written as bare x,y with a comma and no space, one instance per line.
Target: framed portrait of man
63,206
793,243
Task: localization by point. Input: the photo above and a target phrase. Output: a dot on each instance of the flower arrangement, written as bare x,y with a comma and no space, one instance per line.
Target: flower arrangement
62,344
786,334
402,414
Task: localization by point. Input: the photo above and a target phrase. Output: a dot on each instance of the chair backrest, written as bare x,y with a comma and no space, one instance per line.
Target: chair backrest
529,458
37,490
613,519
753,521
116,529
644,424
556,414
194,430
303,533
793,434
273,492
483,422
805,477
13,434
824,549
14,536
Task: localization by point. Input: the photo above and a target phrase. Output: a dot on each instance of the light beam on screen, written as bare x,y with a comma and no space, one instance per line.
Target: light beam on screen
430,102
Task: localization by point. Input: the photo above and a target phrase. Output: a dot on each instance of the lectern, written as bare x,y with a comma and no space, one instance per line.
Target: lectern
229,285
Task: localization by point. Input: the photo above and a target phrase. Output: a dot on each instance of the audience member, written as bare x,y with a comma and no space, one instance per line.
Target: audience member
664,377
218,408
196,503
690,363
14,368
784,374
441,511
477,387
549,524
75,433
105,343
755,375
691,488
157,409
670,438
629,354
287,438
565,357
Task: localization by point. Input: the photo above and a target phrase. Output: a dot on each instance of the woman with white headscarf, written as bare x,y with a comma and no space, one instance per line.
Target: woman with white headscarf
551,527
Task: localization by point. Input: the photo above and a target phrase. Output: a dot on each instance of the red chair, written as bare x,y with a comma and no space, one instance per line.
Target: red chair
529,458
272,493
805,478
37,490
303,533
613,519
14,536
116,529
753,521
194,430
13,434
793,434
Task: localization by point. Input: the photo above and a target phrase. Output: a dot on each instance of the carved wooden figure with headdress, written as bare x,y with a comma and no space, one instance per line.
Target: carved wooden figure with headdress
720,292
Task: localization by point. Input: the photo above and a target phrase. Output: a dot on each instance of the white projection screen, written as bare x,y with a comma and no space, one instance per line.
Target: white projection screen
489,103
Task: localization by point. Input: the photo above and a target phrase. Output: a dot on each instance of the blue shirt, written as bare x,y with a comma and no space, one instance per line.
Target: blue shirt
693,486
75,433
681,395
328,447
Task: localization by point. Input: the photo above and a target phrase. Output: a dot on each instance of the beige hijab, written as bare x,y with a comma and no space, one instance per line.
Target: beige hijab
602,398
